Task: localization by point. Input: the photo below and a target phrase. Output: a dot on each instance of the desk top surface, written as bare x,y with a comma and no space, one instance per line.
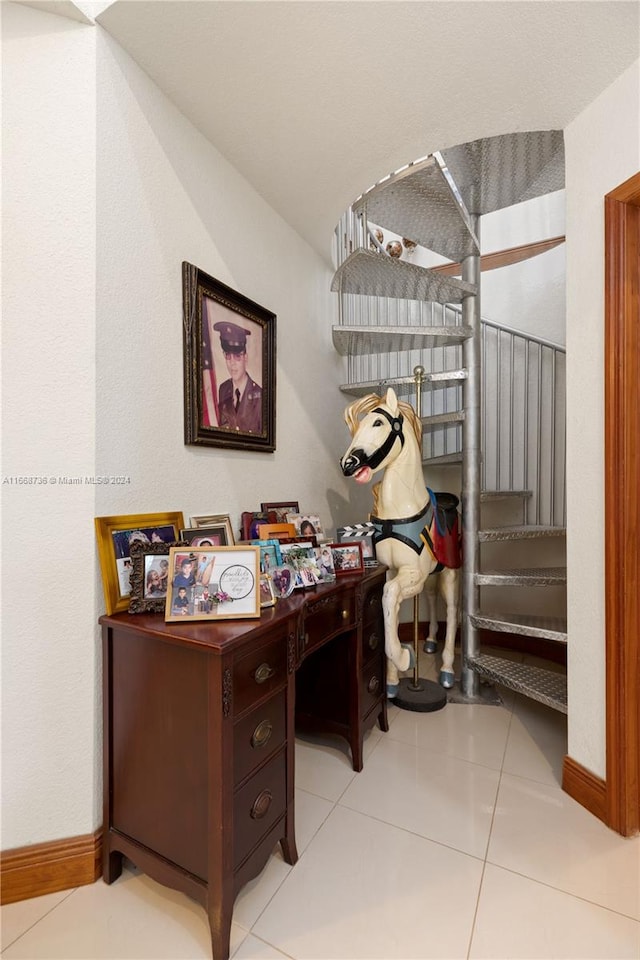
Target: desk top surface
225,634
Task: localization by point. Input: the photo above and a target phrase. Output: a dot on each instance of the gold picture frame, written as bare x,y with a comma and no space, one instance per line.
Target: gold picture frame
114,534
213,583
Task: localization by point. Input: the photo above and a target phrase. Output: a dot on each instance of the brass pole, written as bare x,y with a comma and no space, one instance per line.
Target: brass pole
418,373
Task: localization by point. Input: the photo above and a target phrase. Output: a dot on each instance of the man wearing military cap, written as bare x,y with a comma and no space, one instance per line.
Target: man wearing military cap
240,397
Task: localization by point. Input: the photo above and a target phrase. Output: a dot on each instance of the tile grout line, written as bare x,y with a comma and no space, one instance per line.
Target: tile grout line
493,816
36,922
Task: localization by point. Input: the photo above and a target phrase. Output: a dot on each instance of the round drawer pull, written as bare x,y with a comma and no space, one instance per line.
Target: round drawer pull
262,734
373,685
261,804
345,614
373,641
263,673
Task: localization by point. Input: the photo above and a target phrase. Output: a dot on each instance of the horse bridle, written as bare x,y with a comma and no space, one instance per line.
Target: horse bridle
396,434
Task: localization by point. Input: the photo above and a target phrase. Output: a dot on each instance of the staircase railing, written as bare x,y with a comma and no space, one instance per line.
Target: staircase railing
523,390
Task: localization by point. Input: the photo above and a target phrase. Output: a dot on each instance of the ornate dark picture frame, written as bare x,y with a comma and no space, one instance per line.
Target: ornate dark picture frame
146,597
229,345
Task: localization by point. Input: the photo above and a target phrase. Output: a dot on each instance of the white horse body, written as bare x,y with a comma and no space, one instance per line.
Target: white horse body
389,438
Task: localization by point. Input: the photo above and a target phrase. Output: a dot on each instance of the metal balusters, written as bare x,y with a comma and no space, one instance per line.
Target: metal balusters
471,459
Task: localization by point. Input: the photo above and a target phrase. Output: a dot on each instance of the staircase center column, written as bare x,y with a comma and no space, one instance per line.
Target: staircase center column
471,471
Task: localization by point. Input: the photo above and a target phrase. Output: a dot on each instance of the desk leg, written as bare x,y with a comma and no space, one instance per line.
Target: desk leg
220,914
383,721
111,863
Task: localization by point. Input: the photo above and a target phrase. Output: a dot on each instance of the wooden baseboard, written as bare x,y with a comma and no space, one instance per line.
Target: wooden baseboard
585,787
49,867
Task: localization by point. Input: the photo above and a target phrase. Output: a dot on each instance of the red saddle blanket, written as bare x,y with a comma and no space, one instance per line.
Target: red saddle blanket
444,530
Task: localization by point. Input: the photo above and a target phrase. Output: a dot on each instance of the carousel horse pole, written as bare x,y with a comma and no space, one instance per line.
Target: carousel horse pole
387,435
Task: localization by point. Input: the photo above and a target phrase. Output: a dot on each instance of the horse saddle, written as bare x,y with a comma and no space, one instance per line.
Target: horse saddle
436,527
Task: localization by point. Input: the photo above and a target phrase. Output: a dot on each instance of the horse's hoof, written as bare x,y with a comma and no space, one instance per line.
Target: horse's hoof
447,679
430,646
392,691
412,656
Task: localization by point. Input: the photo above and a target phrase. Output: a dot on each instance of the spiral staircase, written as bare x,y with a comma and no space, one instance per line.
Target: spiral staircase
494,395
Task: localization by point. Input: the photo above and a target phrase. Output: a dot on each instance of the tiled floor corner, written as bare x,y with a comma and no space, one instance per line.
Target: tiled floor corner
455,841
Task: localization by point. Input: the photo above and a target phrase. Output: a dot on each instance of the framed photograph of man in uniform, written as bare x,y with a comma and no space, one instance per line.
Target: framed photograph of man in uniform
229,366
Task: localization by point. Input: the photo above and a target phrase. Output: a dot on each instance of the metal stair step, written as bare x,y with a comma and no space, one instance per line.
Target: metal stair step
526,532
374,274
418,203
359,340
522,577
488,496
442,379
496,172
442,419
444,460
545,686
523,624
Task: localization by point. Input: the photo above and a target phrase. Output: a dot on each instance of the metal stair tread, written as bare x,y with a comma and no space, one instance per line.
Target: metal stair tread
365,387
523,624
418,203
444,460
442,419
524,532
497,172
358,340
523,576
374,274
487,496
536,683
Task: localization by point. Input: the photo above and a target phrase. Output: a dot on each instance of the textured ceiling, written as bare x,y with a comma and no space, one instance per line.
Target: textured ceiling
314,101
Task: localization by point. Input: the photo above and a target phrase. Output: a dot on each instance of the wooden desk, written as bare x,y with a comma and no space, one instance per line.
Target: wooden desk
199,726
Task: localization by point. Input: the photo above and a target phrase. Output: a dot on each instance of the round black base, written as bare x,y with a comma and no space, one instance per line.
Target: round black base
425,698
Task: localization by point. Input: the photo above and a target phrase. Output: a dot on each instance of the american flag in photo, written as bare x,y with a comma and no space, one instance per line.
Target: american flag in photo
209,386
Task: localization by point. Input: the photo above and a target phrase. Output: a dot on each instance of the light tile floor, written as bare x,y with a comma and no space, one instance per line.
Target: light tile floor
455,841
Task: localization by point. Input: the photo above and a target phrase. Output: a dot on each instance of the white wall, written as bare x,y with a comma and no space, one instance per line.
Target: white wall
602,150
93,375
49,650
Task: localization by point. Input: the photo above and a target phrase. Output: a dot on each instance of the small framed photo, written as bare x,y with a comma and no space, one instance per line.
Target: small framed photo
213,583
214,520
217,535
280,509
276,531
250,520
347,557
324,561
115,535
149,576
284,581
301,557
358,531
307,525
267,596
229,366
270,556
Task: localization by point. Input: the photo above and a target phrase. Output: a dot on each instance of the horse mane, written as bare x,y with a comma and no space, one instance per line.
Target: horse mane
360,408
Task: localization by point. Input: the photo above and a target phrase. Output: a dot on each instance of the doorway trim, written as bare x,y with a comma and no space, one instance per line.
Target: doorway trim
622,504
616,800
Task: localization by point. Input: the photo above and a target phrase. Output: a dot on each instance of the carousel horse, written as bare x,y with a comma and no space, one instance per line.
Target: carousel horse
410,523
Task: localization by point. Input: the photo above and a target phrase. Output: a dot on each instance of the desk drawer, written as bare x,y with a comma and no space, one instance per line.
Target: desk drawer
372,639
326,617
258,735
372,685
259,673
372,605
257,806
